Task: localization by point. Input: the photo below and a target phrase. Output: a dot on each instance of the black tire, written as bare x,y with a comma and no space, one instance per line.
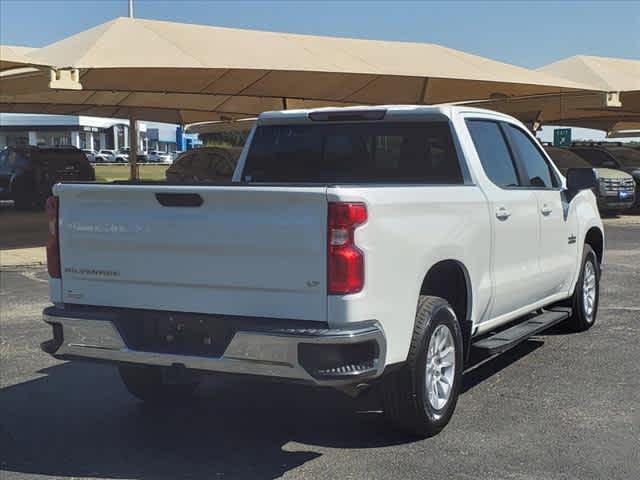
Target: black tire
581,318
404,391
149,385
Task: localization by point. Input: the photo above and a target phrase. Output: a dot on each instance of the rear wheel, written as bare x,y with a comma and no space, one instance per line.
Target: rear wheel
420,397
152,384
586,295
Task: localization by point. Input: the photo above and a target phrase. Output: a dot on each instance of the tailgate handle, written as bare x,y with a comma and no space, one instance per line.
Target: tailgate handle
179,199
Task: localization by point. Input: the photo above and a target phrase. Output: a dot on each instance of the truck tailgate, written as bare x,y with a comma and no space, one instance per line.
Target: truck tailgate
246,250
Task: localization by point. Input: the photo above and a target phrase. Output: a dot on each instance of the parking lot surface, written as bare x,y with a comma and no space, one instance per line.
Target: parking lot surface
559,406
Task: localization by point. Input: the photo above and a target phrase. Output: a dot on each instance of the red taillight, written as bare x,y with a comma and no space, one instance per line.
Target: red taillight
345,272
53,246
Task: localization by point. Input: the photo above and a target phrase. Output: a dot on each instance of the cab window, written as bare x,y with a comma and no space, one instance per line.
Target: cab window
537,170
494,153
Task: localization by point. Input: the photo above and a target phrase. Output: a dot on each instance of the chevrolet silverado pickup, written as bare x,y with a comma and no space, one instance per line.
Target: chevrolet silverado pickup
353,248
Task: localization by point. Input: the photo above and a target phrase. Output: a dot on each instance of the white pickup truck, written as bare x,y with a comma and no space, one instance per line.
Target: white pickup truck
354,247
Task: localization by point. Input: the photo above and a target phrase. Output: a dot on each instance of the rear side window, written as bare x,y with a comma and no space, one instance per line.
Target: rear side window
628,157
565,159
494,154
538,170
597,158
354,153
60,158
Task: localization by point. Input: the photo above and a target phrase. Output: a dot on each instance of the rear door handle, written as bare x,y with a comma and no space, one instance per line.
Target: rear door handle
546,210
502,213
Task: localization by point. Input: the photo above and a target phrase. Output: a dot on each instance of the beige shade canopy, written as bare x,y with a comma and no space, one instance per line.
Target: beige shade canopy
610,74
621,77
241,125
141,67
625,130
575,110
13,56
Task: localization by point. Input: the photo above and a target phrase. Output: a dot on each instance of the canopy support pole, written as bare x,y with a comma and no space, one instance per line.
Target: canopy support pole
133,149
423,91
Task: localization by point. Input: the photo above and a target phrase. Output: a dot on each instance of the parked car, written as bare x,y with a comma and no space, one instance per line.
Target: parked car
157,156
616,189
357,247
27,173
105,155
613,156
205,164
123,156
90,154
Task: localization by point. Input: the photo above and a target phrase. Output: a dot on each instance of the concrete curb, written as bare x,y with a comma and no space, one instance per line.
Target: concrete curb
23,257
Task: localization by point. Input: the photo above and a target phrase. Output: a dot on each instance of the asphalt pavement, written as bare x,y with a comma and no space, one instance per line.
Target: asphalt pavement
560,406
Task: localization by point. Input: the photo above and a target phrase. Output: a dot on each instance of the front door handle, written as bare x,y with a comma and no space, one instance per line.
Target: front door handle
502,213
546,210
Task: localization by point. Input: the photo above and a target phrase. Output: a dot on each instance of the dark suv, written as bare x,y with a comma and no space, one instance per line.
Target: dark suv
613,155
27,173
204,164
616,188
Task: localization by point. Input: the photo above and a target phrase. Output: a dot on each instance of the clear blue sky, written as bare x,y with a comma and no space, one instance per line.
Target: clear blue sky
524,33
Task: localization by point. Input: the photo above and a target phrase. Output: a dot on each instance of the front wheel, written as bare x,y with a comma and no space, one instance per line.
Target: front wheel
586,295
420,397
151,385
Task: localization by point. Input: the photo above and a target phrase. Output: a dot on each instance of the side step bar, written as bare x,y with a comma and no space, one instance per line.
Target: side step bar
507,339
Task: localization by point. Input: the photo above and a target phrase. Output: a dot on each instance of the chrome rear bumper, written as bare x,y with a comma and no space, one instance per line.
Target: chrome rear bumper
268,353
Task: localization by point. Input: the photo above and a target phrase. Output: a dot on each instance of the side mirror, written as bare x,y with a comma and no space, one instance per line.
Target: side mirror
581,179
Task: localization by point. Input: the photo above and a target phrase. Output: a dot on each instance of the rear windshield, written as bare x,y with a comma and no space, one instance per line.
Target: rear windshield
354,153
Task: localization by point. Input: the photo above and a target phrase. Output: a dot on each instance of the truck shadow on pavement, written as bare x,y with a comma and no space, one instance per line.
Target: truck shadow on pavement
77,420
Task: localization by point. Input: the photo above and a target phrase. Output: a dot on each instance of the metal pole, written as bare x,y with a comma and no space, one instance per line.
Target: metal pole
130,8
133,148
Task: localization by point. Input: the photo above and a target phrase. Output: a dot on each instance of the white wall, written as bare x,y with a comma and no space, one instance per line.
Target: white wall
166,131
18,119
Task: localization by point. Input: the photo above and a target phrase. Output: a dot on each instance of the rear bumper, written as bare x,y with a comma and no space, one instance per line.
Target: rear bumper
325,356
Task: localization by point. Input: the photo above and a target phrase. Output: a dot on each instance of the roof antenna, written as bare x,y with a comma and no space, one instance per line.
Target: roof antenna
130,8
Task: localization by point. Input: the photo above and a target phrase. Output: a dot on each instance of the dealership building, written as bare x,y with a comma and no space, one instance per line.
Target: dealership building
86,132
